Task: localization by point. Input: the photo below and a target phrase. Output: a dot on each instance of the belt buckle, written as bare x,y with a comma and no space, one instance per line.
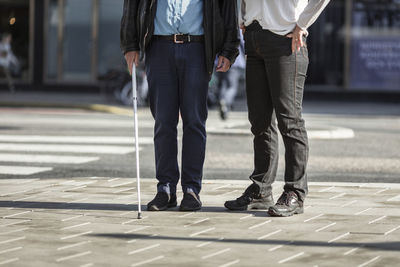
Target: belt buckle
177,41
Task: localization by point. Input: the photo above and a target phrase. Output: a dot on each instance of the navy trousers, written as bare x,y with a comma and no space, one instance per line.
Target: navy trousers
178,83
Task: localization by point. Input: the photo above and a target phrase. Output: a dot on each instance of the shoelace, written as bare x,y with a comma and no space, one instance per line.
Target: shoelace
251,192
284,198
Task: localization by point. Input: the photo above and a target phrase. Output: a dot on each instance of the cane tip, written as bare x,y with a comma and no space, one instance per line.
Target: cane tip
139,216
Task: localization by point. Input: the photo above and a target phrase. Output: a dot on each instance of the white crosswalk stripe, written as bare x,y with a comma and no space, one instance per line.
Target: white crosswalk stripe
75,139
98,149
20,170
21,149
31,158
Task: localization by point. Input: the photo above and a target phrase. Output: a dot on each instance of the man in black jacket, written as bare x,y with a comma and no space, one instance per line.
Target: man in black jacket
180,39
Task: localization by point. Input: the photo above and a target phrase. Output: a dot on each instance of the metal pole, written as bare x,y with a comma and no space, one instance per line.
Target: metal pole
134,96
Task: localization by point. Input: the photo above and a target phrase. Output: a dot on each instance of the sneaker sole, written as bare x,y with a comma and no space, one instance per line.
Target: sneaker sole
155,208
273,213
255,206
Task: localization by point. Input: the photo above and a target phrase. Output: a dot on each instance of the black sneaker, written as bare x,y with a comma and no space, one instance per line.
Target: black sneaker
162,201
287,205
251,199
190,202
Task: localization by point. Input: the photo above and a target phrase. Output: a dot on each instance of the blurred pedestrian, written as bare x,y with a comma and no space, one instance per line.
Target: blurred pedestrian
181,39
275,34
229,83
9,63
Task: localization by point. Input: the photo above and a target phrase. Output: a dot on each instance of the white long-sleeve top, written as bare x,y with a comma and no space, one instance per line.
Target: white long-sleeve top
281,16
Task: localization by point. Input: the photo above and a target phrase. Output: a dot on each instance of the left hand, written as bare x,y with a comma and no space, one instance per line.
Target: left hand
223,64
297,38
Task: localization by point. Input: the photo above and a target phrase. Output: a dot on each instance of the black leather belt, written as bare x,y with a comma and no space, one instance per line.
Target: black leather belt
180,38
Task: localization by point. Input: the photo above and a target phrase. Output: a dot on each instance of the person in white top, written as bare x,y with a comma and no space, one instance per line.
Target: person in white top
275,34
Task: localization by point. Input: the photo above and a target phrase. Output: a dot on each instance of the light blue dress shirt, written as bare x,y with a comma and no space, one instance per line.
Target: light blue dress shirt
179,16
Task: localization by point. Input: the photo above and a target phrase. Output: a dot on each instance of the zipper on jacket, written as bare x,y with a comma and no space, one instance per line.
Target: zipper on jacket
147,29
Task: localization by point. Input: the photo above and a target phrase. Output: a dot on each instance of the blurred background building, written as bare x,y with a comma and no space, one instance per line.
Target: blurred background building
69,44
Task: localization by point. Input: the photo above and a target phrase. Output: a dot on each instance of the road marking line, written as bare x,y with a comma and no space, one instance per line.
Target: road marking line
143,249
113,179
279,246
360,212
291,258
121,184
215,254
204,244
12,240
229,263
315,217
124,190
270,234
73,245
75,188
395,198
74,139
202,232
392,230
131,241
196,222
378,219
71,218
78,200
147,261
258,225
74,256
96,149
87,265
227,193
74,226
381,191
137,229
351,251
21,170
185,215
46,159
349,203
222,186
16,214
10,250
24,198
325,227
126,222
75,235
326,189
368,262
15,231
14,223
337,196
246,216
9,261
15,193
339,237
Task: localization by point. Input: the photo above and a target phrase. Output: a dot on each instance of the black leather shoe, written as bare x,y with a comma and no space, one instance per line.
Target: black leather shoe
190,202
162,201
287,205
251,199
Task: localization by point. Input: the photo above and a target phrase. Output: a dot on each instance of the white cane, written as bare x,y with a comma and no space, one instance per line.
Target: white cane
134,96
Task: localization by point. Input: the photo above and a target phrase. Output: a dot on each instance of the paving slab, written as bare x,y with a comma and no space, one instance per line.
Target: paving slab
92,222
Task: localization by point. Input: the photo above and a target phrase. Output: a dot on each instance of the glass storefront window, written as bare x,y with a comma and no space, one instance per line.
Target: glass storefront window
109,55
375,45
14,40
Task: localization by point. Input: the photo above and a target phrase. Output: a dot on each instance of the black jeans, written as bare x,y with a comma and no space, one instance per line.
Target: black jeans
178,84
274,84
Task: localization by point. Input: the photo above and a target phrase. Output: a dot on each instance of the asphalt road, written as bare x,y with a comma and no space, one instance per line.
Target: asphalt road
349,142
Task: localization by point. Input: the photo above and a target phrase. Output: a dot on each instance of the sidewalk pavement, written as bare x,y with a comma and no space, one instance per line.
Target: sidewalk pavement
92,222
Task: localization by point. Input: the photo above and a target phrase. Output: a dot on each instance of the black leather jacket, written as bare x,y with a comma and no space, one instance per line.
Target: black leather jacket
220,28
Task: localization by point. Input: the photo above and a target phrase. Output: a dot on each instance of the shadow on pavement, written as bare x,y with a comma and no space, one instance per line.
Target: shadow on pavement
104,206
387,246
